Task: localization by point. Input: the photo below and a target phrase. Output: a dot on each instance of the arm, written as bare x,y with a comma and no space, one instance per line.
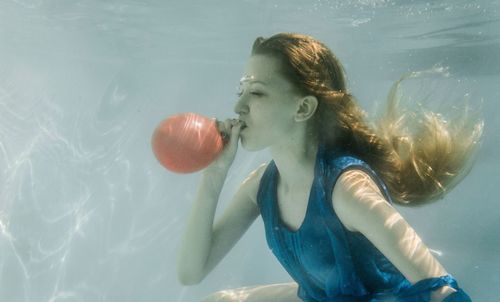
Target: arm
204,244
361,207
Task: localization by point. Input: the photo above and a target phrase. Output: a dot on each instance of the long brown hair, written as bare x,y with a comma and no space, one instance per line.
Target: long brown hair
417,166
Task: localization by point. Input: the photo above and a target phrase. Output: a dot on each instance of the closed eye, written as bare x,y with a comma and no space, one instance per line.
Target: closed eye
255,93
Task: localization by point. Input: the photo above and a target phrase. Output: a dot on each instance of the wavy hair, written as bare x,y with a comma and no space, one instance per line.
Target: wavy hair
419,156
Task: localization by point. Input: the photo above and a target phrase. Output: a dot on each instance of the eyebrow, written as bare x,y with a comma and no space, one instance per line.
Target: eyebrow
250,79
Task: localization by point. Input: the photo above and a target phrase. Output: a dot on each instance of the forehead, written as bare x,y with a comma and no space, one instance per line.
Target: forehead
264,69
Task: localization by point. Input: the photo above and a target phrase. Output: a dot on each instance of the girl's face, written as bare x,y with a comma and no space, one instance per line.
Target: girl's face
266,104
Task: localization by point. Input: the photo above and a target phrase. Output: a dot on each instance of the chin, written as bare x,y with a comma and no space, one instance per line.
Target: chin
248,146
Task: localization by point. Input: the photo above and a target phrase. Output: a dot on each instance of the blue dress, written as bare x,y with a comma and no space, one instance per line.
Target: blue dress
329,262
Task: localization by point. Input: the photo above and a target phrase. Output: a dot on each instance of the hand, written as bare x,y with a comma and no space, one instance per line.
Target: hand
230,132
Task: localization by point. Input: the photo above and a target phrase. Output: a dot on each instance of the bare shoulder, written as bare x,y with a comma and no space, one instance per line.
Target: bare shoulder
354,194
251,184
361,206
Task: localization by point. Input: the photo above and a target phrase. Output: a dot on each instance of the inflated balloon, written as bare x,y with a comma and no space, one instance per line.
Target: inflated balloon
186,142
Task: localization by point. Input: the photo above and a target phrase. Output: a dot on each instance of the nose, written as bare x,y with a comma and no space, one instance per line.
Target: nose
241,106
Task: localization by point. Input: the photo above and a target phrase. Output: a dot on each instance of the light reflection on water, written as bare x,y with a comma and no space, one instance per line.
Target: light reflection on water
86,212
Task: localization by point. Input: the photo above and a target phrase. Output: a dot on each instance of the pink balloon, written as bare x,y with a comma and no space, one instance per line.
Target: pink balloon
186,142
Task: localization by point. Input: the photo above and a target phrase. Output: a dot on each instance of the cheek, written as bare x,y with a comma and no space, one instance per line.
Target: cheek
257,136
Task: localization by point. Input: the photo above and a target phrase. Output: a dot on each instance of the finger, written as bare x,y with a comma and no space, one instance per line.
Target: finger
229,124
220,128
235,132
224,130
218,124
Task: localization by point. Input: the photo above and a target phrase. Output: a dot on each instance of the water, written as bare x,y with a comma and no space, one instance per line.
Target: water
87,213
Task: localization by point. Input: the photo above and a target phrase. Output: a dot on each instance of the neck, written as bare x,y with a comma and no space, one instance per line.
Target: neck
295,162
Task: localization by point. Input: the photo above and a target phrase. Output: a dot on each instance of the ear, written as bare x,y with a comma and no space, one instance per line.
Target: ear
306,107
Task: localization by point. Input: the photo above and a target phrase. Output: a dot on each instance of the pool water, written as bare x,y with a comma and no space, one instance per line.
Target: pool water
86,211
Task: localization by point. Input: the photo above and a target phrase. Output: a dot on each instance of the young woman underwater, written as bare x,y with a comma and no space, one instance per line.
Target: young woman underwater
326,196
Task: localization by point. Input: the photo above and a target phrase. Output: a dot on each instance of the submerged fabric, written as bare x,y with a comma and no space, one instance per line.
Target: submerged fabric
329,262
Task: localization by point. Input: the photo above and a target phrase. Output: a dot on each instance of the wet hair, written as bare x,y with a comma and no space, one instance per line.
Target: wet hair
417,166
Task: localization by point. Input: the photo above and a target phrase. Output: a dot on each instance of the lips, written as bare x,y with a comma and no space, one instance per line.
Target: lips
243,124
